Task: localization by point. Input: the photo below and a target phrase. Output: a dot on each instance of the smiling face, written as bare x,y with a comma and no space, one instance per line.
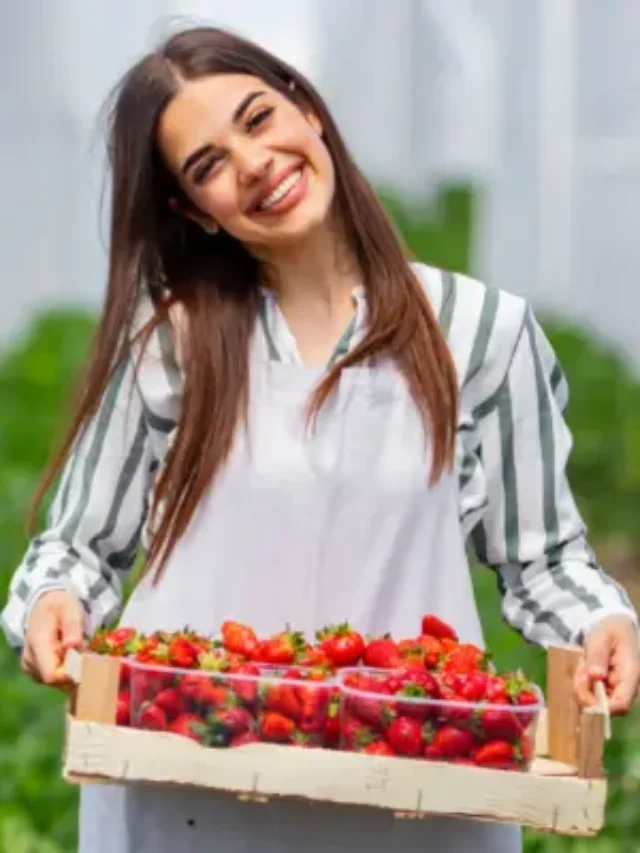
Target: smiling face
248,160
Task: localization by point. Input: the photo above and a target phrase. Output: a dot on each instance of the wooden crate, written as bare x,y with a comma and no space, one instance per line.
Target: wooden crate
564,792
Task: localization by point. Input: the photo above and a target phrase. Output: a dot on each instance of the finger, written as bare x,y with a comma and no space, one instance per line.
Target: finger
582,685
45,645
71,628
28,666
598,649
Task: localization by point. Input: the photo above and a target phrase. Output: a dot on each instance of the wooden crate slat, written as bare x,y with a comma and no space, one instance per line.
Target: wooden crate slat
555,801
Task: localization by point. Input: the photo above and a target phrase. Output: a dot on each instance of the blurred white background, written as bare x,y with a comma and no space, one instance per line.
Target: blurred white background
536,103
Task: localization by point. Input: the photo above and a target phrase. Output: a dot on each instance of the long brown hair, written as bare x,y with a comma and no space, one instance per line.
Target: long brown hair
157,251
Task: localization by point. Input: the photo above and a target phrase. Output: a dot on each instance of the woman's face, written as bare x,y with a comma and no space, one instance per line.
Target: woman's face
248,159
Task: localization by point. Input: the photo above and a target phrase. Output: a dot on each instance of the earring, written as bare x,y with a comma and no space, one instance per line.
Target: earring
211,229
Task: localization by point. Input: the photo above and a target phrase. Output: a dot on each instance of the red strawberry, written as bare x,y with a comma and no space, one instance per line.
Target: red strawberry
239,638
435,627
123,708
117,642
419,678
342,644
276,727
448,742
244,738
313,701
153,717
282,698
499,754
355,735
498,722
404,734
281,649
432,650
465,658
312,656
496,691
472,687
183,653
204,692
246,690
382,653
378,747
171,701
189,725
235,720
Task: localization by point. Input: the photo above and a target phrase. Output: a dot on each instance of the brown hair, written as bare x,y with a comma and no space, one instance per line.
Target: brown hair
217,282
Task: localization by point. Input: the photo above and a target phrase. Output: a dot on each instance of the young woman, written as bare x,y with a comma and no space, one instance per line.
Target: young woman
300,424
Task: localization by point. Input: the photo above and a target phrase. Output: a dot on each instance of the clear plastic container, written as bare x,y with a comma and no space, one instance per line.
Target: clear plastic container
224,709
377,720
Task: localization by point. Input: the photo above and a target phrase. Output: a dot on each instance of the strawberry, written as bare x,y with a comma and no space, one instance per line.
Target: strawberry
522,694
465,658
435,627
183,653
282,698
419,678
355,735
123,708
448,742
496,691
404,735
432,650
499,754
411,650
236,721
246,690
472,687
189,725
313,701
378,747
342,644
276,727
204,692
239,638
244,738
152,717
125,675
117,642
312,656
215,661
171,700
281,649
382,653
498,722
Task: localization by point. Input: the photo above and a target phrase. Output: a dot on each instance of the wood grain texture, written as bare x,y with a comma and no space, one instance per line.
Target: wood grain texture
550,797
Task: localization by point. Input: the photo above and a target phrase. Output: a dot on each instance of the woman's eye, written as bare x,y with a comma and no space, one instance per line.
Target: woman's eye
258,118
202,171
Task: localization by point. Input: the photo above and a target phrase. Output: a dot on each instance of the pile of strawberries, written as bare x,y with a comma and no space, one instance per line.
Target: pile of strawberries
429,696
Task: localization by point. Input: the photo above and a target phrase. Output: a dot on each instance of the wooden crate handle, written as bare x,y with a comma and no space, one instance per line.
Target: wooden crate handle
98,680
575,735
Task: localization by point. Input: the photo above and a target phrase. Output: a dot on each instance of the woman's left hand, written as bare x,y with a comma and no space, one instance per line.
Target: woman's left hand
611,655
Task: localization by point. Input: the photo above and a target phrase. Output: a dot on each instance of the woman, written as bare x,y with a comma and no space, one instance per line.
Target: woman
284,469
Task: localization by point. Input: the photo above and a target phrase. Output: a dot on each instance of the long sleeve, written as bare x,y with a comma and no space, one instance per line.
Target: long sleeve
531,532
95,521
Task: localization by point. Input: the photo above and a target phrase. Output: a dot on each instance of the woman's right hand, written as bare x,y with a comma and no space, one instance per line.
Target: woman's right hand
55,626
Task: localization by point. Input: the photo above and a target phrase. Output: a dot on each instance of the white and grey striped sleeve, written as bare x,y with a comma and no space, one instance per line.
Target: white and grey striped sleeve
531,532
95,521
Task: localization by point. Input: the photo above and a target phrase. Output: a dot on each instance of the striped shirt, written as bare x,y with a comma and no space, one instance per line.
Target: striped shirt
516,507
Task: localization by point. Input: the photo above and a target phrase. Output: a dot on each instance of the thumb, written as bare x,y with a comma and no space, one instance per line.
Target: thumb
598,649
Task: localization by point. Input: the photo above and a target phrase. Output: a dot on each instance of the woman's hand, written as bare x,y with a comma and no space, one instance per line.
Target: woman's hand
55,626
611,655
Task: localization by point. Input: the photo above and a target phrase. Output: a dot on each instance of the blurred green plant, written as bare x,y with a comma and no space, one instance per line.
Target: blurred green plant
37,809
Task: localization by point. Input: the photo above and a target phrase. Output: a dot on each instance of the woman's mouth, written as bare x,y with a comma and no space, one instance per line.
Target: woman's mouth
286,194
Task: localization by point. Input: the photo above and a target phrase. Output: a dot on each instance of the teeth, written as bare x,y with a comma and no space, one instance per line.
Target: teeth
281,190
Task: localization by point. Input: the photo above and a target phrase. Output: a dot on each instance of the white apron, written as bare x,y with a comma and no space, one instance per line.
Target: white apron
307,530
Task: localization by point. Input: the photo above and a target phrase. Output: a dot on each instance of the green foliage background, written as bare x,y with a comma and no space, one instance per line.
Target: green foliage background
37,810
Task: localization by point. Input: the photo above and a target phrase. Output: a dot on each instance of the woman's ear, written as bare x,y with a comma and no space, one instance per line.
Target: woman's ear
205,222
